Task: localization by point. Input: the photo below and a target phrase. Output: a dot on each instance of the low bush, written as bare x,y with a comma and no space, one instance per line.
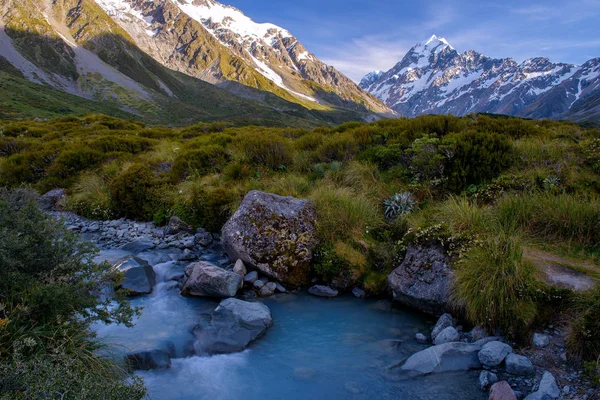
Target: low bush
207,159
265,150
134,193
583,341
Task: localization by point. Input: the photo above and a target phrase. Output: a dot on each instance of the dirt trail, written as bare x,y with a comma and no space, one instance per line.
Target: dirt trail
563,272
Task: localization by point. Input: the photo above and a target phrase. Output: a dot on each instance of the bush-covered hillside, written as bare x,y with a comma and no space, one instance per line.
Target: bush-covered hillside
484,188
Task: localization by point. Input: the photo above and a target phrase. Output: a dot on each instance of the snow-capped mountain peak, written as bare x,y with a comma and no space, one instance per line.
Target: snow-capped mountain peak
434,78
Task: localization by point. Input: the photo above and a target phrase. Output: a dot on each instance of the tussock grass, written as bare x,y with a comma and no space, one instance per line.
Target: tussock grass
555,217
496,287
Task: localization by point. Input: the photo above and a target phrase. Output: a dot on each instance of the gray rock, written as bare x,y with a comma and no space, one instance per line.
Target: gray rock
502,391
208,280
547,388
258,284
53,200
234,324
487,379
273,234
176,225
447,335
148,359
138,246
203,238
358,293
323,291
251,277
419,337
477,333
239,268
188,243
493,353
139,276
540,340
424,280
442,323
268,289
279,288
455,356
518,365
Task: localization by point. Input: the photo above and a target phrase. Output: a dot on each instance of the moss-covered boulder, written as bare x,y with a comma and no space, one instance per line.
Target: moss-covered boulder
273,234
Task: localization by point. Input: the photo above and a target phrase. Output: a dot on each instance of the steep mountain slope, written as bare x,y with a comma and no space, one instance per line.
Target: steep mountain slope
434,78
218,43
75,47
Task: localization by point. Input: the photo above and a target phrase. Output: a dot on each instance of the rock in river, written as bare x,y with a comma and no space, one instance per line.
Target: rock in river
322,291
139,276
424,280
148,359
274,235
207,280
233,325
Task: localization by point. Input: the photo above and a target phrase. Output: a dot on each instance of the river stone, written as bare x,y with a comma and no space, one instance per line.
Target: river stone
53,200
477,333
424,280
138,246
148,359
547,389
234,325
251,277
322,291
176,225
358,293
419,337
207,280
502,391
268,289
493,353
279,287
487,379
258,284
443,322
239,268
454,356
203,238
518,365
449,334
139,276
273,234
540,340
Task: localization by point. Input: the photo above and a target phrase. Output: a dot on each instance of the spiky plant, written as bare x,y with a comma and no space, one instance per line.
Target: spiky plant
399,204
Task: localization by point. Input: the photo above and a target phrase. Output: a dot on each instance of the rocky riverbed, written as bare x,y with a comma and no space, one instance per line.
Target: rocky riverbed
201,313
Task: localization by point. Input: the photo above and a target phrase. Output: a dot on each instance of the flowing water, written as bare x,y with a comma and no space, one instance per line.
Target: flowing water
341,348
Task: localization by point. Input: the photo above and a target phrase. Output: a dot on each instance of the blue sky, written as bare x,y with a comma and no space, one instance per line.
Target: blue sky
360,36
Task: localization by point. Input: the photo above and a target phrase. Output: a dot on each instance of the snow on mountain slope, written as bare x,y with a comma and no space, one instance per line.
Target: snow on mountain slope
434,78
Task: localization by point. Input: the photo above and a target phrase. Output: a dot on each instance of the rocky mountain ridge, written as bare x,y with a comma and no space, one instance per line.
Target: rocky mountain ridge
433,78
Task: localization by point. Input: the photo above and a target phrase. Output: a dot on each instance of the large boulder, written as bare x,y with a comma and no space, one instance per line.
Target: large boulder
454,356
273,234
139,276
232,326
55,200
207,280
424,280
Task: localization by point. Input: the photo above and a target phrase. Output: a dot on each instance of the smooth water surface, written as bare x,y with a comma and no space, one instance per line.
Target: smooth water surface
341,348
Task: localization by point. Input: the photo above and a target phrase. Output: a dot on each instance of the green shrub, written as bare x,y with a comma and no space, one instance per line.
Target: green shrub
265,150
49,291
399,204
496,286
133,193
72,161
476,157
385,157
207,159
341,147
131,145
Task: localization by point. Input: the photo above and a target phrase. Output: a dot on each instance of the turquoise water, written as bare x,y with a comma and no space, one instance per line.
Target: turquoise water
341,348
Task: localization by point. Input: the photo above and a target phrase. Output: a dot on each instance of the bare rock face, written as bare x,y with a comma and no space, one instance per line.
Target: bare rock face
204,279
53,200
274,235
424,280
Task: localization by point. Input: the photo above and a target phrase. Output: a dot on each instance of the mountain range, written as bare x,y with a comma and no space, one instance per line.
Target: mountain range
176,61
434,78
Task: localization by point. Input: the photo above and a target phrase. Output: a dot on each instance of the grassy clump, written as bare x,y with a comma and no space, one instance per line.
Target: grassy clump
496,286
48,298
